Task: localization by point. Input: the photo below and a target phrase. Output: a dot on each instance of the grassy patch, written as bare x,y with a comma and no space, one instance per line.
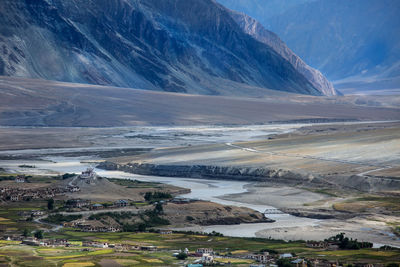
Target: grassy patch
323,191
127,262
79,264
100,252
12,222
9,242
365,203
233,261
239,251
135,183
153,261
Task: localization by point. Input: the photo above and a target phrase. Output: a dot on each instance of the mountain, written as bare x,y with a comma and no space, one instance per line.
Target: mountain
255,29
262,9
348,41
190,46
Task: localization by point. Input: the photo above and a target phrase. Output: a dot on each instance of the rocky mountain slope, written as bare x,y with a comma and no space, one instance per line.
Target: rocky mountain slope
348,41
191,46
255,29
356,43
262,9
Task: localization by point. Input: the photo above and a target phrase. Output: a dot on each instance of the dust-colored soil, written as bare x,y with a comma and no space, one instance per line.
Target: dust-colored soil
209,213
279,197
331,154
110,263
13,184
357,228
27,102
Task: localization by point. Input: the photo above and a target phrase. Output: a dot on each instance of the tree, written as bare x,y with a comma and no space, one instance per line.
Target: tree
50,204
39,234
181,256
141,227
158,208
283,263
148,196
25,233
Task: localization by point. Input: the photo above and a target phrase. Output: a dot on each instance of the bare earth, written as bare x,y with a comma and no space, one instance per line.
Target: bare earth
362,150
27,102
279,197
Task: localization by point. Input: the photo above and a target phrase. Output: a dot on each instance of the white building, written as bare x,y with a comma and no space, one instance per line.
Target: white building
207,258
205,251
89,175
20,179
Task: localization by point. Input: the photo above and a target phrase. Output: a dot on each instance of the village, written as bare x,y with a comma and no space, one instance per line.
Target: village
71,223
198,257
14,193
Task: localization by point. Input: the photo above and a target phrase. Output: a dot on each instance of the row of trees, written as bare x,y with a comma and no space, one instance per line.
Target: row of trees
345,243
156,196
38,234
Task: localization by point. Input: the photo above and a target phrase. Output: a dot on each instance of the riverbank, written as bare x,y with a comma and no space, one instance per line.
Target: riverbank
243,194
312,152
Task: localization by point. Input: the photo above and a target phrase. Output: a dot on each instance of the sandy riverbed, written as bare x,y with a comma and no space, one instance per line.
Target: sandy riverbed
277,196
367,229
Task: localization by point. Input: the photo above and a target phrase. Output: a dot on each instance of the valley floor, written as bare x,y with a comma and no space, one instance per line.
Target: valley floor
330,173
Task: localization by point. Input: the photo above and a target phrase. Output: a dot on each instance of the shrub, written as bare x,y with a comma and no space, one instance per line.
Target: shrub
50,204
67,175
156,196
181,256
39,234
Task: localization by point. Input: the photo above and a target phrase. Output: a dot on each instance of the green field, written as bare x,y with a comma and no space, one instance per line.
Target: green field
10,220
78,256
135,183
14,254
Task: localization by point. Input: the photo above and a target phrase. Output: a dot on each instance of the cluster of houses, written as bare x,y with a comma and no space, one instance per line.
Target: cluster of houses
32,241
73,188
118,247
86,204
12,193
31,213
22,194
323,245
183,200
20,179
207,257
92,226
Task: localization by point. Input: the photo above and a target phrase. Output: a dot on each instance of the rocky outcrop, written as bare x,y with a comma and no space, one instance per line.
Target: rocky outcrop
321,214
283,177
210,213
209,172
187,46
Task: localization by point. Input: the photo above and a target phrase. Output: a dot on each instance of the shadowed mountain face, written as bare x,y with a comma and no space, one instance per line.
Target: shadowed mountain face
193,46
357,40
255,29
